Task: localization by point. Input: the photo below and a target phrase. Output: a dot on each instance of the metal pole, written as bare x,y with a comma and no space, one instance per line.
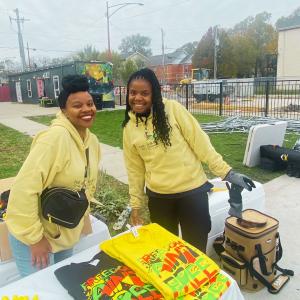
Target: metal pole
20,38
221,99
29,65
163,56
108,33
187,96
267,85
120,95
120,6
215,51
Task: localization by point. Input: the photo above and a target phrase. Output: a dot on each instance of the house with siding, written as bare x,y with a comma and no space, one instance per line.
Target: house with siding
288,61
172,67
139,58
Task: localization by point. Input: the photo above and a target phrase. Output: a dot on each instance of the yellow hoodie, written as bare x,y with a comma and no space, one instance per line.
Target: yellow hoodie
57,158
173,169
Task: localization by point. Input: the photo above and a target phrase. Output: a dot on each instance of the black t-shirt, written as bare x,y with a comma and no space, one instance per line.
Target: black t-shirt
108,279
72,276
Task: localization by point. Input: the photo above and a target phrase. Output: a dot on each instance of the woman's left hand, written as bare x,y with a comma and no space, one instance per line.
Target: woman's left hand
135,217
240,180
40,253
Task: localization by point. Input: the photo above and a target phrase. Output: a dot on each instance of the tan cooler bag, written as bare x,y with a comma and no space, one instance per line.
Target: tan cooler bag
250,250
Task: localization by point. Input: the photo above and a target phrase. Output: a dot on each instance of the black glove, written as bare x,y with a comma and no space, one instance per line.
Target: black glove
235,200
240,180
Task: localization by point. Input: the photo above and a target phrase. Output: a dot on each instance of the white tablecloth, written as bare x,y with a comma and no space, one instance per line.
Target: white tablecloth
47,287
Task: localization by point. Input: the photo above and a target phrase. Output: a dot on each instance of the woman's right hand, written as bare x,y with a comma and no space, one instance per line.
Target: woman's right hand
40,253
135,217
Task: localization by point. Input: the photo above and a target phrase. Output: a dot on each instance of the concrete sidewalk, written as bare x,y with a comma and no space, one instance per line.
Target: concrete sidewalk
282,195
14,115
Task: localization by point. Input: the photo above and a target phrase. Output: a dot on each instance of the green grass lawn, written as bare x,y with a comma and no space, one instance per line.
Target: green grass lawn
232,147
107,127
14,148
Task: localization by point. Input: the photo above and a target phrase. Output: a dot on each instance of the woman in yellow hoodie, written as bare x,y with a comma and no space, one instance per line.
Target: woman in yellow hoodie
164,148
57,158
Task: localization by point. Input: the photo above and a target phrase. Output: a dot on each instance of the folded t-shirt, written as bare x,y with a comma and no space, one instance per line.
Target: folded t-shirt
72,276
173,266
110,279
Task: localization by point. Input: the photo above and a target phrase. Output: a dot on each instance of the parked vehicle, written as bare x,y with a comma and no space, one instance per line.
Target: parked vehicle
202,88
211,89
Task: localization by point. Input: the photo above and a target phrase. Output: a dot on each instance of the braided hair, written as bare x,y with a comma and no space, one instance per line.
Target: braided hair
161,126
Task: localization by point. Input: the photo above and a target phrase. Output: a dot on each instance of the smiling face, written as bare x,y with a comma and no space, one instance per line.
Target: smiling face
81,111
140,96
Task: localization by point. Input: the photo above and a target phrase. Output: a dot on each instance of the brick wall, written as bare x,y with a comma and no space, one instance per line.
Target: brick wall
173,73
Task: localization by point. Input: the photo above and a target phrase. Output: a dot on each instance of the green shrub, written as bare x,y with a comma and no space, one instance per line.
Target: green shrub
113,196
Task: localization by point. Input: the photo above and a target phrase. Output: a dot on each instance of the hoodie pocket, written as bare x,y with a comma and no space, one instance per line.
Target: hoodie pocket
52,231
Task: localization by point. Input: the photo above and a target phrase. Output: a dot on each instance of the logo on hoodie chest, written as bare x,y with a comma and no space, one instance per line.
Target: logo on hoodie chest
148,141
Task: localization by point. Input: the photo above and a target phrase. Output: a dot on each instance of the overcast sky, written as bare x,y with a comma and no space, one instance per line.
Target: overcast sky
56,28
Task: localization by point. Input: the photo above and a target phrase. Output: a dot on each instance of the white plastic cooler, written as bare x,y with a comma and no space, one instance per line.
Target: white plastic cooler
219,206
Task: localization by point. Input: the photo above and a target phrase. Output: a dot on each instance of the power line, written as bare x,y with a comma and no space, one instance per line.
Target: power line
52,50
157,10
4,47
44,50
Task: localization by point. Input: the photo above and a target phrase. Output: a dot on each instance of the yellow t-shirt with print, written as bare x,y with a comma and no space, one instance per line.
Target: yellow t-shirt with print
173,266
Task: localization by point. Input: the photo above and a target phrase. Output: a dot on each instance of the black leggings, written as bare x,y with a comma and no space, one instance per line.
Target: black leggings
191,211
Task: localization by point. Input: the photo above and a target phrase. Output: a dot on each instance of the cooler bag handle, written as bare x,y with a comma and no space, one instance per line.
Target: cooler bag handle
250,224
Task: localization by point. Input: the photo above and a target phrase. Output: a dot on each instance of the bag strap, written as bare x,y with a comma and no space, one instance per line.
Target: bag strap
273,287
258,276
279,253
262,261
218,244
219,248
86,169
280,280
87,162
278,248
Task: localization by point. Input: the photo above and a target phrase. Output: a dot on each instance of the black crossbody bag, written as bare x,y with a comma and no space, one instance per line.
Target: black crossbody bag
64,206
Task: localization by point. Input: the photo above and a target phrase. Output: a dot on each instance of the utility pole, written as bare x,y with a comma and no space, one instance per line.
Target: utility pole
108,33
215,50
163,55
20,37
29,65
